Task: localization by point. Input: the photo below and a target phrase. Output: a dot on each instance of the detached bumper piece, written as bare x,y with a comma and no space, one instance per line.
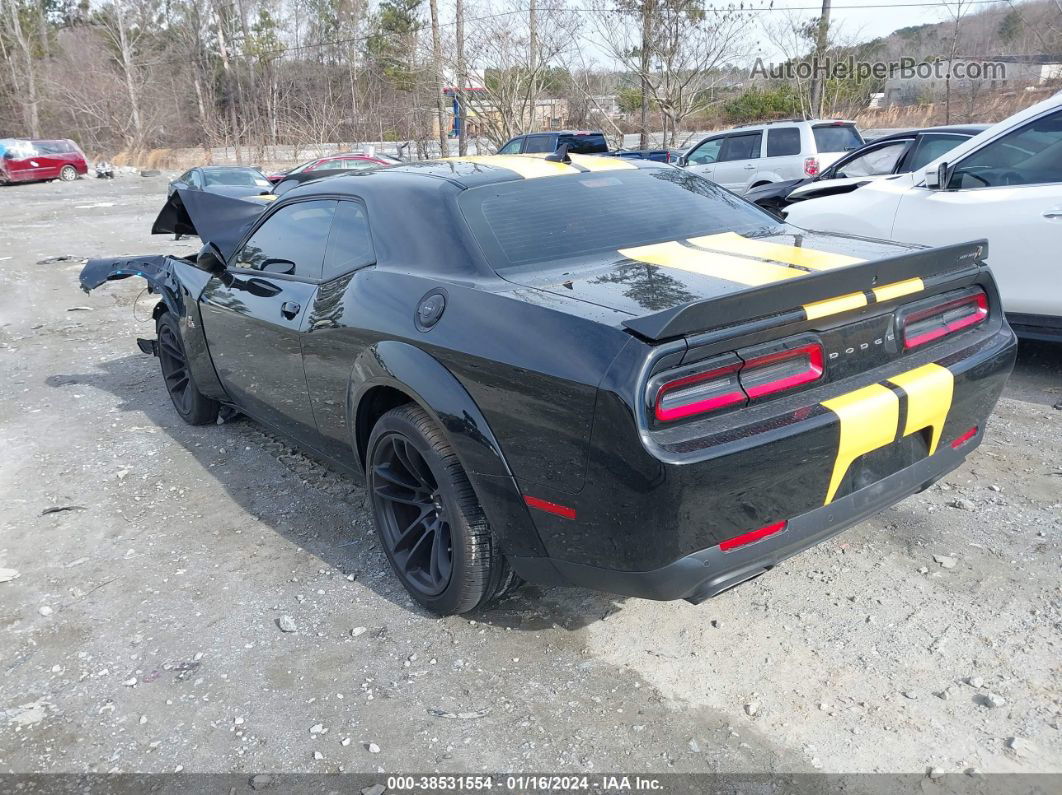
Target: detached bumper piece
150,347
709,572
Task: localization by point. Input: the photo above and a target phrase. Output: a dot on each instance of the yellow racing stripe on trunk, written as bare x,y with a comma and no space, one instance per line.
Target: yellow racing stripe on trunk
929,392
809,258
869,417
898,289
708,263
527,166
601,163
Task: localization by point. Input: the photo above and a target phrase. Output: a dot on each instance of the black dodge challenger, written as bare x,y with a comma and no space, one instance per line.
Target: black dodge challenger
580,370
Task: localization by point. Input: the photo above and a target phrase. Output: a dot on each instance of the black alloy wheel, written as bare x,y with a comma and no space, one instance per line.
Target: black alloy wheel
194,407
428,519
415,517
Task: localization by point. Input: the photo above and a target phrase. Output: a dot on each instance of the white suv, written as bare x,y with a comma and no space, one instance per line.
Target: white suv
753,155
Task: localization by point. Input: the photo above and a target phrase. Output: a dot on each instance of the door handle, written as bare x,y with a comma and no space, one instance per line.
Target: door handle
749,167
290,309
1053,213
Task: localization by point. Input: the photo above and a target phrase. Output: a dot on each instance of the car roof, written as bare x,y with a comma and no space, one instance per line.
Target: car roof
561,132
468,172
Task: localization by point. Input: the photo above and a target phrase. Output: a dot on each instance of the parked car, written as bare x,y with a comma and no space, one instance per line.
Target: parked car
227,180
897,153
580,142
1005,183
757,154
33,160
662,395
348,161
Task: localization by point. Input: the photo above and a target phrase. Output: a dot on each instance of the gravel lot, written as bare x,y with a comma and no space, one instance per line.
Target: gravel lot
155,562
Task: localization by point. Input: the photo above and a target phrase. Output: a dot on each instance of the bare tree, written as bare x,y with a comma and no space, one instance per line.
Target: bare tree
685,56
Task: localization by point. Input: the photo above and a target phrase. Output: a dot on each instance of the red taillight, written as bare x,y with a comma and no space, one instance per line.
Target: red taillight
698,393
752,536
922,326
756,374
811,166
960,441
562,511
777,372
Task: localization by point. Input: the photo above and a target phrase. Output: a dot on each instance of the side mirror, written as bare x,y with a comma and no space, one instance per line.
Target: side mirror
209,259
683,161
937,178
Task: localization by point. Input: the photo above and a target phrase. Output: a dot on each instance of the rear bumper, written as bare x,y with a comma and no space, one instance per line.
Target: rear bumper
651,526
711,571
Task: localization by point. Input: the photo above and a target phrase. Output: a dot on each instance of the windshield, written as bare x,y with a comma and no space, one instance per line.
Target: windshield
836,137
528,223
234,176
302,166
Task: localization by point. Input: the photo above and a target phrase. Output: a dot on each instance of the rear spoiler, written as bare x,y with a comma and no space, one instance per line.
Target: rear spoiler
771,299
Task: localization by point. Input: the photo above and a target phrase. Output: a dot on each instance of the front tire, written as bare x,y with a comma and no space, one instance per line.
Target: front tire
68,173
194,407
428,519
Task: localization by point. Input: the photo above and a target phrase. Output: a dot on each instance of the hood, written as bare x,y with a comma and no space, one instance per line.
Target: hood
666,275
212,217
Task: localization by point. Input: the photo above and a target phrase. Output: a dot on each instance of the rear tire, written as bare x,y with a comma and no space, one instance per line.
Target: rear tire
68,173
193,406
428,518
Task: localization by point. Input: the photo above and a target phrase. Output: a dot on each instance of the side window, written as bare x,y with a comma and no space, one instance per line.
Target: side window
708,152
185,177
511,148
930,147
782,141
291,241
881,160
1030,155
742,147
349,243
541,143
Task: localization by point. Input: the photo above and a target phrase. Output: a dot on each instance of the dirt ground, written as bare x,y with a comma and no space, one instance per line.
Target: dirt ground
154,561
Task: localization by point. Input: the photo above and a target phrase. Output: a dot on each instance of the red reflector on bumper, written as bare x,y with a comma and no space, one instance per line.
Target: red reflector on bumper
562,511
959,442
752,536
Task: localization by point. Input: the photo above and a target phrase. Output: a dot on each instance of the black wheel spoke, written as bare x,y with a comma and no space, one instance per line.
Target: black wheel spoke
389,474
391,494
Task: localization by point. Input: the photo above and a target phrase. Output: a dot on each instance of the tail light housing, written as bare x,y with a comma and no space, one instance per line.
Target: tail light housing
698,392
734,380
946,314
811,166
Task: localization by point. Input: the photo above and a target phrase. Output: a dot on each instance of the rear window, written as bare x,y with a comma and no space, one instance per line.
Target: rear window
836,137
529,223
234,176
592,144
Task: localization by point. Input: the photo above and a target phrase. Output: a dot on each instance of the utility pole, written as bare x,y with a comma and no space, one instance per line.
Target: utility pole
821,43
444,148
532,25
459,78
643,66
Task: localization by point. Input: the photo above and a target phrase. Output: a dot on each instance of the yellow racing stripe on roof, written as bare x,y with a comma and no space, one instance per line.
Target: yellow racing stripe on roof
868,417
810,258
708,263
898,289
601,163
929,390
527,166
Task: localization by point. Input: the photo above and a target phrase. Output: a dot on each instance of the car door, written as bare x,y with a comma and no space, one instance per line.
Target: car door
25,163
255,310
333,341
738,160
1010,191
703,158
49,159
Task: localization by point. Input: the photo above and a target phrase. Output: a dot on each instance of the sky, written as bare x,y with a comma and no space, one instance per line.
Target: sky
861,20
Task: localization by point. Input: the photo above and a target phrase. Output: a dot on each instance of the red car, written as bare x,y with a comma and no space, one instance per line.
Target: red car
33,159
341,162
